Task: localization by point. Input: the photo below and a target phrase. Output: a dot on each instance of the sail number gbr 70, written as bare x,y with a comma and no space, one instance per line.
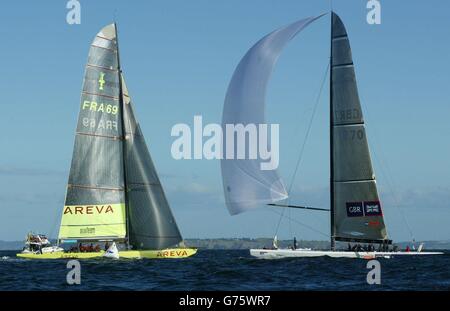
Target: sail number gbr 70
351,134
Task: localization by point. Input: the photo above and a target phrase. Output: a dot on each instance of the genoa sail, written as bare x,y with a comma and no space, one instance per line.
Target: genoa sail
246,185
151,222
356,208
95,201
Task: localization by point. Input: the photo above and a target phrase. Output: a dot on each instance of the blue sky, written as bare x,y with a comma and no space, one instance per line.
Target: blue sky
178,58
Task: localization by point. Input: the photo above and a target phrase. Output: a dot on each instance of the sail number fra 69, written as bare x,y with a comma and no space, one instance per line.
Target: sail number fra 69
100,107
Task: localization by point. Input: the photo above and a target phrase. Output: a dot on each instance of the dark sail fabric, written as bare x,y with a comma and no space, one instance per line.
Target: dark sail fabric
95,201
356,205
151,223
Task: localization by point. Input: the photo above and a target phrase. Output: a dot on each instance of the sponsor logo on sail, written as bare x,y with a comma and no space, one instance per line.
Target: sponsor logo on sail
361,209
372,208
354,209
101,81
354,233
88,209
88,230
100,220
374,223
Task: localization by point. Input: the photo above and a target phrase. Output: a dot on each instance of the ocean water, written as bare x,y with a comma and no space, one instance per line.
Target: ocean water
226,270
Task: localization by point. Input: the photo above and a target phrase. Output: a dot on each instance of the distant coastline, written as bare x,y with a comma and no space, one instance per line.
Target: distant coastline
247,243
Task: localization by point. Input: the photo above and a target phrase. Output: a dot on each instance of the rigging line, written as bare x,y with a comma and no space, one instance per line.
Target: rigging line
59,215
290,223
54,225
390,182
279,221
394,192
300,223
387,176
319,96
302,150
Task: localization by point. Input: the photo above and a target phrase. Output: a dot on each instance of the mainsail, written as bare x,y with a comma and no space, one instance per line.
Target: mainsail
95,200
246,186
355,208
151,223
114,191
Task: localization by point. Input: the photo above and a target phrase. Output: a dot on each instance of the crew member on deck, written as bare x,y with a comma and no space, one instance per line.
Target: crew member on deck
295,243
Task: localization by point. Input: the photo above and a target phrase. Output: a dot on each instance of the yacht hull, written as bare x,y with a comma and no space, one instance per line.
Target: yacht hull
289,253
131,254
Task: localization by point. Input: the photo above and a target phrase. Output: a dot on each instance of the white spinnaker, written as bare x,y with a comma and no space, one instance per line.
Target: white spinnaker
246,186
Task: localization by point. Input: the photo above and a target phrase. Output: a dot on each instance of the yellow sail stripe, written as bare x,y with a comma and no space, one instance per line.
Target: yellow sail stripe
93,221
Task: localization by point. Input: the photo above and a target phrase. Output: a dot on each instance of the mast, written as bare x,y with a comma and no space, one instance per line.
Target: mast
332,233
121,105
356,213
